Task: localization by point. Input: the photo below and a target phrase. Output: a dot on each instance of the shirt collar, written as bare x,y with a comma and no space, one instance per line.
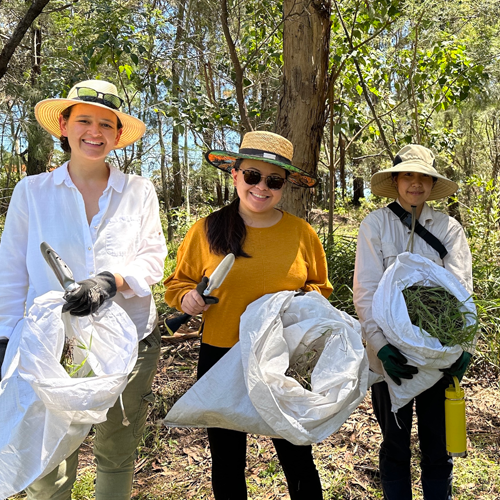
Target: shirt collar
61,174
425,216
116,177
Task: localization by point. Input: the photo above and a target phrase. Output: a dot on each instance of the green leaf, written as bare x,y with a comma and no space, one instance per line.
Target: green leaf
127,70
337,128
393,11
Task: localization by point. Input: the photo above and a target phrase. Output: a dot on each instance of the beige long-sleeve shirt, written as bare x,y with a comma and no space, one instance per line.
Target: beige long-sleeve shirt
381,238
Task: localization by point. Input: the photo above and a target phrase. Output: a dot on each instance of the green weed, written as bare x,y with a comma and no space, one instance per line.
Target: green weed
340,253
84,486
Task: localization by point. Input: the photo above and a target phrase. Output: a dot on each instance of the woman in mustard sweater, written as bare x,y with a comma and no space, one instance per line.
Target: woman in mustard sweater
274,251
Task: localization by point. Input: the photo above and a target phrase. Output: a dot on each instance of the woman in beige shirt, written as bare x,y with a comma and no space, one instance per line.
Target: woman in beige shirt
412,181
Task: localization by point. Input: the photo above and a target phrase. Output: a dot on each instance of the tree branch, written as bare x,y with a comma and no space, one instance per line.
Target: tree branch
375,35
9,48
359,158
237,68
61,8
412,70
363,84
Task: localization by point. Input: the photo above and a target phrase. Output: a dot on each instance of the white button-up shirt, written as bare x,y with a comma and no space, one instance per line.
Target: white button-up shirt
382,236
124,237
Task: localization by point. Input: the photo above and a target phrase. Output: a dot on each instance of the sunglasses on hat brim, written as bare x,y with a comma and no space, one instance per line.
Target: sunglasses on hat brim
88,94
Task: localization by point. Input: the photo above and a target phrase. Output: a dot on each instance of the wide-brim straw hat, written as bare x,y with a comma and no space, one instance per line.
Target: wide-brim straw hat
96,93
412,158
263,146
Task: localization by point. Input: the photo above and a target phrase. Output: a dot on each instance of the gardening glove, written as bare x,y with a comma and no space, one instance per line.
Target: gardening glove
3,348
90,296
458,368
395,364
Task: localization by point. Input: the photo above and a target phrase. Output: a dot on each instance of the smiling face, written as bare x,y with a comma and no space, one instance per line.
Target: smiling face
413,188
257,199
92,132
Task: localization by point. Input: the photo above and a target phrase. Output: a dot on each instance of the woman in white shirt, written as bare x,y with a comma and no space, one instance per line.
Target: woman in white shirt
412,181
105,225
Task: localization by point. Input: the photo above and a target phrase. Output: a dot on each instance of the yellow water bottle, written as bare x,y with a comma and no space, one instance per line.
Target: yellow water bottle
454,410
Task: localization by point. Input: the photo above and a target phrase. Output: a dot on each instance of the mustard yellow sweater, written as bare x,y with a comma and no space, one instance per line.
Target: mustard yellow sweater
286,256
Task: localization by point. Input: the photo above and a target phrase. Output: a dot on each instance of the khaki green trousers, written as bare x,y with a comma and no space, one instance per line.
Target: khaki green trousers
115,445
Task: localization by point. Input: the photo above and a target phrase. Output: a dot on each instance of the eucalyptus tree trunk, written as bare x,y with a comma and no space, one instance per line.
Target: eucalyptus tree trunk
186,168
137,163
343,184
164,179
302,108
358,185
40,144
453,205
176,164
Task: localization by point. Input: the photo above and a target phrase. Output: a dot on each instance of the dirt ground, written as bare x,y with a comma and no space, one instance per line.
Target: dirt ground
174,463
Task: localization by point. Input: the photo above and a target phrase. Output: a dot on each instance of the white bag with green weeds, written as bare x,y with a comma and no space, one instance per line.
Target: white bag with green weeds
46,413
248,390
421,349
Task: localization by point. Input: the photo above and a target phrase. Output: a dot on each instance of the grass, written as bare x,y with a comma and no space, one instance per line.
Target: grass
438,313
340,255
84,487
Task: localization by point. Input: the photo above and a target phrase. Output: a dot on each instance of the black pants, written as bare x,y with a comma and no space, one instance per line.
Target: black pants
228,450
395,455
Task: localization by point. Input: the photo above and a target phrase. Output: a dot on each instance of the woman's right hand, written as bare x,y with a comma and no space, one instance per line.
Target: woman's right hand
193,303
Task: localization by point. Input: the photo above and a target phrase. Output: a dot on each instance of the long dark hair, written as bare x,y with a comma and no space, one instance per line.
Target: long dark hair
226,230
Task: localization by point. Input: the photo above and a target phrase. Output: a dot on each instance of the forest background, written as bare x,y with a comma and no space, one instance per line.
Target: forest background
348,82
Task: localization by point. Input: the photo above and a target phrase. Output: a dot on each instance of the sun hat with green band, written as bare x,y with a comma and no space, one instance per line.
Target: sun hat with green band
97,93
412,158
263,146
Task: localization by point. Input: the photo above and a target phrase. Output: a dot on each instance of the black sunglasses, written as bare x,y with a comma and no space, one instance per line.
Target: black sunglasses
90,95
252,177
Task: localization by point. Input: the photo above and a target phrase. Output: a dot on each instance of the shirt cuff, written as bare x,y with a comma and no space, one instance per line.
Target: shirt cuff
5,332
138,285
376,341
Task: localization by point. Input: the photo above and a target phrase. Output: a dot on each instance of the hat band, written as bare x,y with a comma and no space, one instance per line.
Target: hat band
399,160
266,155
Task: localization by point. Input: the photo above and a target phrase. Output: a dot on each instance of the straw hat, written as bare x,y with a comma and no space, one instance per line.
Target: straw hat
97,93
412,158
264,146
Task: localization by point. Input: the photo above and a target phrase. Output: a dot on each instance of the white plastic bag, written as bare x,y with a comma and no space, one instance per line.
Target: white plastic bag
46,414
247,390
390,313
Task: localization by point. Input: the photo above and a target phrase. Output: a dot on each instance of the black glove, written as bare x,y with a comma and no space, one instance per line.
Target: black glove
3,348
458,368
395,364
90,296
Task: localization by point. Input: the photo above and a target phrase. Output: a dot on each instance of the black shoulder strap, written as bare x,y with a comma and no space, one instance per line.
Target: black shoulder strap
405,218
